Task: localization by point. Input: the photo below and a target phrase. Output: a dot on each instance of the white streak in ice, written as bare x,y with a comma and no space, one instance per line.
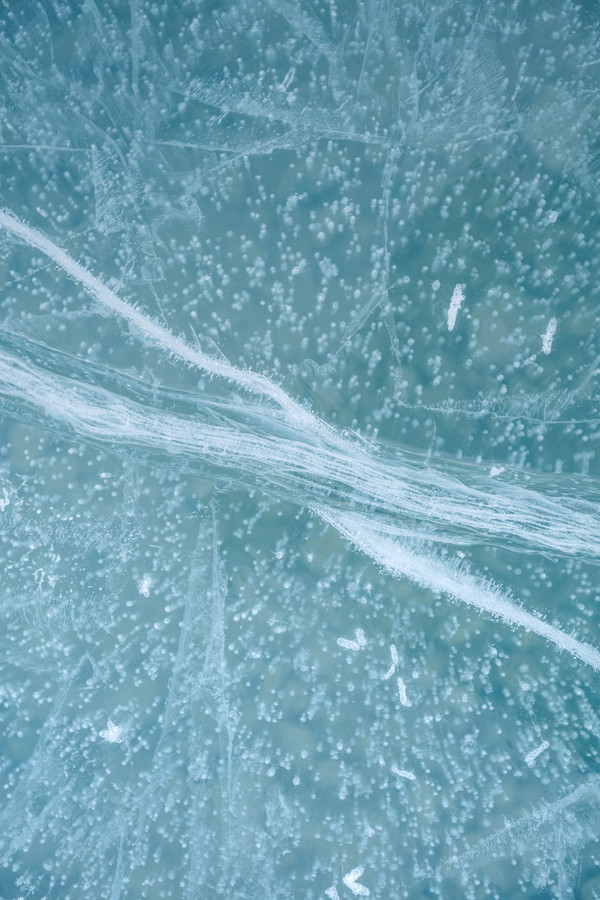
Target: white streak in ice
454,581
291,452
159,335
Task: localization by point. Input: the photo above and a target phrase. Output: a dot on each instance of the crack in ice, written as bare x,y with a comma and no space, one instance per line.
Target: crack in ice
292,453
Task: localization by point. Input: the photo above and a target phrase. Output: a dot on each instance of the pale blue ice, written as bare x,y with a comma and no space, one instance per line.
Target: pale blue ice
299,485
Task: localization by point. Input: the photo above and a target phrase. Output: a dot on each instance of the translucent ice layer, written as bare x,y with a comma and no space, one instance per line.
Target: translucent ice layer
299,494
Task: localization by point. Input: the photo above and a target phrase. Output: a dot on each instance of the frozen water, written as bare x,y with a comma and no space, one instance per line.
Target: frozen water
299,493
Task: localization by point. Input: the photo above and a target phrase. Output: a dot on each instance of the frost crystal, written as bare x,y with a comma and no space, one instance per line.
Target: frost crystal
548,336
533,754
351,882
455,304
113,733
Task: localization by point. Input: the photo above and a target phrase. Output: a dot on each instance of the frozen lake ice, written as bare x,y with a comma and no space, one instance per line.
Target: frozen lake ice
299,493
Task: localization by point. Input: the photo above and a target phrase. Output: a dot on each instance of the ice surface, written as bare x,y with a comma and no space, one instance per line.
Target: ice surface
299,497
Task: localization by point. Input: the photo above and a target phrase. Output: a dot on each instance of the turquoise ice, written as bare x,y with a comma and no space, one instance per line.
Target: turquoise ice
299,487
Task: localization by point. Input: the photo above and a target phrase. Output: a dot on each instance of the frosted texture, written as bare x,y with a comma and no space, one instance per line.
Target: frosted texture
299,483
